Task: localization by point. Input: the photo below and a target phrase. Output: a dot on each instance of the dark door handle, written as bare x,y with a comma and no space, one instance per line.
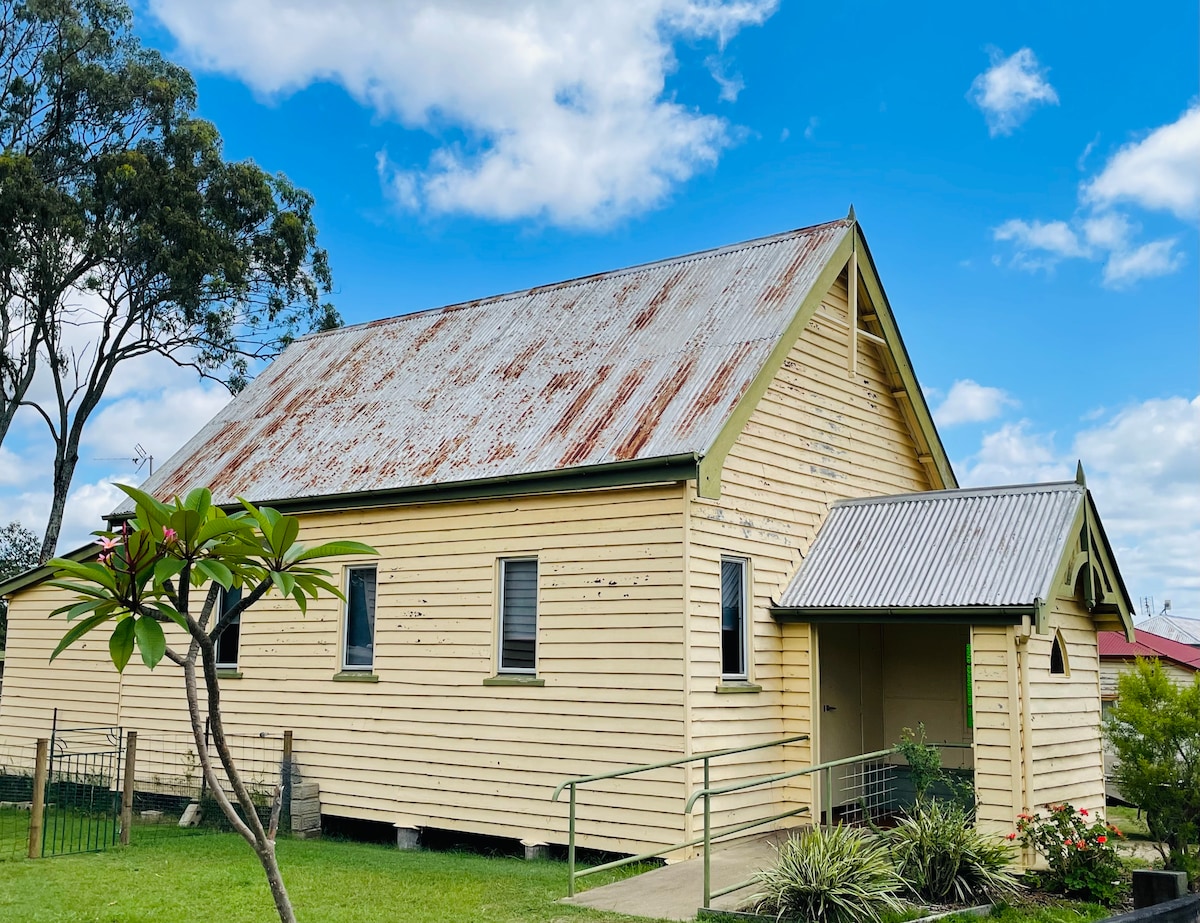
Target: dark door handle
828,708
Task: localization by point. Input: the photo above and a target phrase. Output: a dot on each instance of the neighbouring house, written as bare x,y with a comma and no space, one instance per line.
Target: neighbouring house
1181,662
1174,628
692,505
1118,654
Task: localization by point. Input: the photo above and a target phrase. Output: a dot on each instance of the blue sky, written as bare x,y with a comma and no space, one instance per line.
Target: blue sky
1027,175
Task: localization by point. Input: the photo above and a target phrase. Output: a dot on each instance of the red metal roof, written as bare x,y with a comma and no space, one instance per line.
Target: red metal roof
637,364
1113,645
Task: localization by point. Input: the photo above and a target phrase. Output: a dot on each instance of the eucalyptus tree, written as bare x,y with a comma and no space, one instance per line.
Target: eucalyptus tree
20,549
123,229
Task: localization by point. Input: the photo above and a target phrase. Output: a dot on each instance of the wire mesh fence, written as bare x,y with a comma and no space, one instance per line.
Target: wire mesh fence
17,765
865,791
168,780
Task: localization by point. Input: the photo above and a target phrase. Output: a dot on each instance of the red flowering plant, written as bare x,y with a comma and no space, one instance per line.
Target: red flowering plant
1080,850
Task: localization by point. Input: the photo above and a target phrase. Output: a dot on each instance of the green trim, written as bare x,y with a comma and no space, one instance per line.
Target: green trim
229,674
891,332
709,484
352,676
943,615
733,687
513,679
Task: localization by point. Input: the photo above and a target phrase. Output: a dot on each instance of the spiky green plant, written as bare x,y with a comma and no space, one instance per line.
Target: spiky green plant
942,857
830,875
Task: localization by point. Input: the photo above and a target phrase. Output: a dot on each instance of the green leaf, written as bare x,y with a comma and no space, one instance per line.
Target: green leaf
170,612
81,588
330,549
165,569
86,570
150,640
81,608
199,500
120,645
283,534
223,525
78,631
301,600
216,571
186,524
284,582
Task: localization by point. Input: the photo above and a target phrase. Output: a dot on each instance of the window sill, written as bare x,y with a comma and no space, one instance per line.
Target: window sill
226,673
351,676
736,686
511,679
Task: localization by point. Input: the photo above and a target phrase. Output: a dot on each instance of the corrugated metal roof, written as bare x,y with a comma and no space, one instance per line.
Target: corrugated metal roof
1183,630
948,548
1113,644
636,364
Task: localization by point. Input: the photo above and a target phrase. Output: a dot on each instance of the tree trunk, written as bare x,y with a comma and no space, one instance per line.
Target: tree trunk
251,827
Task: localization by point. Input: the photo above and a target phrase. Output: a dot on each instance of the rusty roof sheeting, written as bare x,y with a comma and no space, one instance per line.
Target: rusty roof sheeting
635,364
995,546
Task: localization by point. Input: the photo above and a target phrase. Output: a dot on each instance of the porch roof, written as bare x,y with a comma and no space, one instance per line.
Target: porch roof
985,554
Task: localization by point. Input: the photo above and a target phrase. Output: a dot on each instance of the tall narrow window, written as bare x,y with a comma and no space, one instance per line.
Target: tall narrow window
229,639
733,618
1058,657
518,616
359,646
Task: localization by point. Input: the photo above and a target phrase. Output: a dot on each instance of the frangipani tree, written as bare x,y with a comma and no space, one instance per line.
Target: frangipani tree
153,572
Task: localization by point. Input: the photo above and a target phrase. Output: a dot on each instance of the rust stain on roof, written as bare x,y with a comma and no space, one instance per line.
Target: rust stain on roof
651,413
639,363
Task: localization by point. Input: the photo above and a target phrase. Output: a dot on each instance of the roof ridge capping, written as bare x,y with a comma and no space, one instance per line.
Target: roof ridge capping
957,492
682,258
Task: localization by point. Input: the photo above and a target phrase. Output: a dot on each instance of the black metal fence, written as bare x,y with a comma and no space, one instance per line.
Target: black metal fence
83,791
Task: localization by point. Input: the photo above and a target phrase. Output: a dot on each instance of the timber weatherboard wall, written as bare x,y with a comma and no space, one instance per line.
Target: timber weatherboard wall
818,434
429,744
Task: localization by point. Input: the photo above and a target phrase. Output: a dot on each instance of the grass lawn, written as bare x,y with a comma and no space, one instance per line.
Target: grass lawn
1128,822
217,879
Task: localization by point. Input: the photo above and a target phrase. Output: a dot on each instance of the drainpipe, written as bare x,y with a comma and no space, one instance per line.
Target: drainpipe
1027,788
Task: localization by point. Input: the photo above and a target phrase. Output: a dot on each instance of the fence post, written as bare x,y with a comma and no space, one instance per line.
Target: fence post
37,811
127,787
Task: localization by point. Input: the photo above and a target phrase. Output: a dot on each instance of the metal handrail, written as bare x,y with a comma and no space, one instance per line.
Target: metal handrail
827,767
706,757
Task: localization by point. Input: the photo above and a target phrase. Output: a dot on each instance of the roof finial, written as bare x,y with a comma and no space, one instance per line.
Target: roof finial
1080,478
850,214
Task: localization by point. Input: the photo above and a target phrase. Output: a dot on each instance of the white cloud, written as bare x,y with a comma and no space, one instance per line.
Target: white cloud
562,106
162,422
970,402
1038,245
1161,172
1010,90
1141,467
1013,455
811,128
731,84
1157,258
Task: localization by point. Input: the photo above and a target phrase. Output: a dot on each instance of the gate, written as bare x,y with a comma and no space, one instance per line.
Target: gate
83,790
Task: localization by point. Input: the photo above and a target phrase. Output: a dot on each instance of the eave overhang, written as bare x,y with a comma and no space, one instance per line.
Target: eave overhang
945,615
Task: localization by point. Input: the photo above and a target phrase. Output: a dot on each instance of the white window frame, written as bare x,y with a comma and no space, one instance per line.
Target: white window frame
226,665
500,607
345,627
742,675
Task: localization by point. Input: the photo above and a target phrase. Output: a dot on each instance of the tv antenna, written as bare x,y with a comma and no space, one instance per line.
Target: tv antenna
140,457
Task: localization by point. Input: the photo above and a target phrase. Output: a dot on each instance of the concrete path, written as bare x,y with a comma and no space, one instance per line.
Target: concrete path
676,891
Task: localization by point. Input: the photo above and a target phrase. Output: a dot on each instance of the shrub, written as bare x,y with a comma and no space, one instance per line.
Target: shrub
942,857
1154,727
1080,850
833,875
